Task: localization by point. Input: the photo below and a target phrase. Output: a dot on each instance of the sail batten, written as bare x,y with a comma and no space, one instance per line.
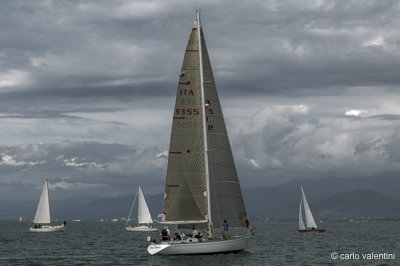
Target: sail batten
42,215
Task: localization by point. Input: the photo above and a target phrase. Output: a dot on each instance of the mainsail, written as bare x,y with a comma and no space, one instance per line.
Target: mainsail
144,216
43,210
310,223
202,185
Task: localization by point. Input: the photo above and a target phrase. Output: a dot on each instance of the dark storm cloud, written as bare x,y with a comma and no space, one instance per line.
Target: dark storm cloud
129,49
309,89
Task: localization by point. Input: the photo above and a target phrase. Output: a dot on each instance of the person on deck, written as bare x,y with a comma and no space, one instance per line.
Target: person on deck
195,232
177,237
226,228
165,233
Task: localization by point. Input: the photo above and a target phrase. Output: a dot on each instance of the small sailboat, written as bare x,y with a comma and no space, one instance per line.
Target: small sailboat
309,225
202,189
144,216
42,219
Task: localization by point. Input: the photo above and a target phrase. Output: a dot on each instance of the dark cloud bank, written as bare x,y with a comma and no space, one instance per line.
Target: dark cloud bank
309,90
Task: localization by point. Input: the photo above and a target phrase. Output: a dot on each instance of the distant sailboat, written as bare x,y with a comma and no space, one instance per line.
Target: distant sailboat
42,218
202,188
309,225
144,216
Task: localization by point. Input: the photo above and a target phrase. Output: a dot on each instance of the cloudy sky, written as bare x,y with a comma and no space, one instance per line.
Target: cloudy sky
309,88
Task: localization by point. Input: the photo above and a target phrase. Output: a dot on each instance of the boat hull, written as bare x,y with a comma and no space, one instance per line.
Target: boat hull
312,230
48,228
140,229
234,244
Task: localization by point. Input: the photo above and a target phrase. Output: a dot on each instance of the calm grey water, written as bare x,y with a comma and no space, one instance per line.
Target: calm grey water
275,243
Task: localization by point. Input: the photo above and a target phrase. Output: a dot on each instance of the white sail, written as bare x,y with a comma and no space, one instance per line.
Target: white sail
310,223
43,210
144,216
301,222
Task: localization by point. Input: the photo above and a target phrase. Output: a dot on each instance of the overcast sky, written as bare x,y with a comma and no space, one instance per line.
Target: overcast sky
309,89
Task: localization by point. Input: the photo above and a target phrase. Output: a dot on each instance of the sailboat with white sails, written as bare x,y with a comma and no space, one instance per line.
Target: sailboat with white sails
144,216
309,225
202,188
42,219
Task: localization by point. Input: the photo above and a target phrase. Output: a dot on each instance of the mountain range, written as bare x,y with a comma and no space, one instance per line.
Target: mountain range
373,197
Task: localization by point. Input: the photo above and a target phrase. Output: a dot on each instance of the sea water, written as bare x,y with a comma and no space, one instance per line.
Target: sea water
275,243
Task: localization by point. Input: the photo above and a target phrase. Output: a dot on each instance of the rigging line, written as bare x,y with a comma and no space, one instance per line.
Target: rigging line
130,212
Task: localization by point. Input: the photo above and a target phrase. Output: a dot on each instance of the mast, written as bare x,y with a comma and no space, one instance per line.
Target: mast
48,199
207,171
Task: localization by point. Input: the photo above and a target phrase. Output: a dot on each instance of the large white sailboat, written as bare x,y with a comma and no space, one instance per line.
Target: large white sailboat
202,187
42,219
309,225
144,216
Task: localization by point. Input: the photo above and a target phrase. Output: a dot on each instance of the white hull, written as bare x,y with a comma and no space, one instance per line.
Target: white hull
48,228
206,247
140,229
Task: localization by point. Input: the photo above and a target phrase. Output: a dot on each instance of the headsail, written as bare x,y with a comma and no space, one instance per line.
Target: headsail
202,183
301,222
43,210
144,216
310,223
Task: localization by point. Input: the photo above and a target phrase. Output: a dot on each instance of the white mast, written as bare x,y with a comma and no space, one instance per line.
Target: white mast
204,124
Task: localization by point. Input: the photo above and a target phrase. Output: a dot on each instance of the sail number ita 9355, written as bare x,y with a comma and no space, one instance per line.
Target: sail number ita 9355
180,111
